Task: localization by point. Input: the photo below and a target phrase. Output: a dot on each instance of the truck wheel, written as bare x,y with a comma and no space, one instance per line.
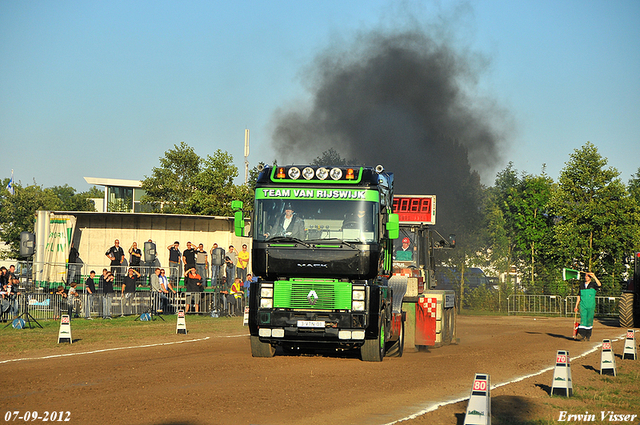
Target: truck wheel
373,349
625,310
261,349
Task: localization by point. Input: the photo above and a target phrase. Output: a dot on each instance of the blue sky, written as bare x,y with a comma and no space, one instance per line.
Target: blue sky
103,89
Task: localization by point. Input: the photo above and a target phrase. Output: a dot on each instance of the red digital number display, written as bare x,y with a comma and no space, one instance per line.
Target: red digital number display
415,209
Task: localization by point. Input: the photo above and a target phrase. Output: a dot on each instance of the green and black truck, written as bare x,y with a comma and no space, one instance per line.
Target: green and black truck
322,249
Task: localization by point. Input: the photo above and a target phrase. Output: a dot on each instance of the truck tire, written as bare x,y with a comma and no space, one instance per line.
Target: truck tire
625,310
397,347
261,349
373,349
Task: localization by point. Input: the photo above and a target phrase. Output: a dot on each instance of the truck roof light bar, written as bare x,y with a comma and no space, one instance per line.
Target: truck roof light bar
310,174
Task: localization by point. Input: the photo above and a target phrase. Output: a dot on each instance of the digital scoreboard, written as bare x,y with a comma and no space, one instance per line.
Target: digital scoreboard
415,209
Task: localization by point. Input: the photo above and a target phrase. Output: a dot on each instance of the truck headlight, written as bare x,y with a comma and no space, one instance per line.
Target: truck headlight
266,295
357,305
357,295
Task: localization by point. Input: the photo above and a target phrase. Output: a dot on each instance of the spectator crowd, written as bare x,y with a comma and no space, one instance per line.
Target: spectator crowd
224,273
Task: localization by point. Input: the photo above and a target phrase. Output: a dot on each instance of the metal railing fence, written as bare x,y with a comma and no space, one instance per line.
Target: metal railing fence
50,306
535,304
605,306
557,305
39,283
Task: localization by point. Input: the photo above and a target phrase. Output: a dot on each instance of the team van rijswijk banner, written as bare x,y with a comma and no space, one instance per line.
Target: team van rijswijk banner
319,194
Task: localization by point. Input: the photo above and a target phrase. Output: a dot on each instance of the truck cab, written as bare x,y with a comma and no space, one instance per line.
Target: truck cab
322,248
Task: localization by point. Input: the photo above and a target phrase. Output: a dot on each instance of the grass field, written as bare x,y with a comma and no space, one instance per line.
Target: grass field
119,331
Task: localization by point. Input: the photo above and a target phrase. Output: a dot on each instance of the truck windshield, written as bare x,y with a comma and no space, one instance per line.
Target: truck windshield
313,219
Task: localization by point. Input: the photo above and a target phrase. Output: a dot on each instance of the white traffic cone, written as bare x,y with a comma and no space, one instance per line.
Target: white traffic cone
562,374
607,359
245,317
64,334
181,327
479,407
630,348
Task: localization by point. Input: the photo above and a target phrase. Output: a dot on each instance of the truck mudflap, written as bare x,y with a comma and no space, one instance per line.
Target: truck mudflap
395,344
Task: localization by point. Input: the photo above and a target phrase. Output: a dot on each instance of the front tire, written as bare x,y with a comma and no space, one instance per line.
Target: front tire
373,349
261,349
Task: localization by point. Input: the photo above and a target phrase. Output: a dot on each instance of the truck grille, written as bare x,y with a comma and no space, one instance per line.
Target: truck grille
312,295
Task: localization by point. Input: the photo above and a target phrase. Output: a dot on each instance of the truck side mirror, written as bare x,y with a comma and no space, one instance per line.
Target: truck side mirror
238,218
238,223
393,226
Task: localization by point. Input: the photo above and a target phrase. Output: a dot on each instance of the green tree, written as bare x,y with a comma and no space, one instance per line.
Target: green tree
331,157
120,205
497,237
215,185
17,212
596,218
174,183
253,175
533,226
634,186
72,201
188,184
520,224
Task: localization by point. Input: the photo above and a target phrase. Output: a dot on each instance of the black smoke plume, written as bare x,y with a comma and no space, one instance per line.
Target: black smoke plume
405,100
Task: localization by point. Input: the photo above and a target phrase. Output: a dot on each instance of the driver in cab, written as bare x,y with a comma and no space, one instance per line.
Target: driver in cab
288,225
359,220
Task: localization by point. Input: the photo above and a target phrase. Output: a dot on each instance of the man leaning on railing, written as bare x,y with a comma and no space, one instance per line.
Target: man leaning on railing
90,290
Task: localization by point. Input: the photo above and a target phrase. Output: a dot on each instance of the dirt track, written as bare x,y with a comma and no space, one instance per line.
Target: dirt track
216,381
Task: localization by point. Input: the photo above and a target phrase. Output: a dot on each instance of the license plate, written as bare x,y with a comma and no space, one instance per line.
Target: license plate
310,324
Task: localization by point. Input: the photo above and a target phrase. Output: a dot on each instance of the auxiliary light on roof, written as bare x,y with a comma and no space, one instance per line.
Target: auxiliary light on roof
336,173
294,173
307,173
350,174
280,173
322,173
